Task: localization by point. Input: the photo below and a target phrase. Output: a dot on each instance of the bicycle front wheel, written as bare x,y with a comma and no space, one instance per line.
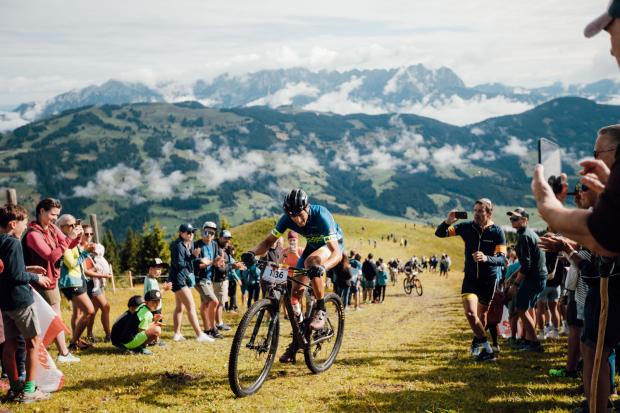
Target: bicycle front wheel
254,348
323,345
407,285
418,287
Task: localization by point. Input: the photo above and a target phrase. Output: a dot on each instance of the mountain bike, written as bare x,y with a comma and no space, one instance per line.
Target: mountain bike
255,344
411,282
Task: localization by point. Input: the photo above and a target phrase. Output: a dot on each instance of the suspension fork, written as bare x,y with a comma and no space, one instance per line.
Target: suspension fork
272,323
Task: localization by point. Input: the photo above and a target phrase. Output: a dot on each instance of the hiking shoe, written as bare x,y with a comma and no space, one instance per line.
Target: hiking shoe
214,333
67,358
486,356
178,337
35,396
11,396
204,338
516,343
107,339
224,327
533,347
318,320
563,373
495,348
474,350
83,344
289,353
144,351
552,334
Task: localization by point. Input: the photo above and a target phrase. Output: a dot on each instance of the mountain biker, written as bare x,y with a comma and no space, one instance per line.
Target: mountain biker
324,250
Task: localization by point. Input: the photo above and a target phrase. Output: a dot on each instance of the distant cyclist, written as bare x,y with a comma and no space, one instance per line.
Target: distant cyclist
324,250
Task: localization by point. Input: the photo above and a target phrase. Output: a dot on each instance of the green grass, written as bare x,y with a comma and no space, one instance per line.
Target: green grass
407,355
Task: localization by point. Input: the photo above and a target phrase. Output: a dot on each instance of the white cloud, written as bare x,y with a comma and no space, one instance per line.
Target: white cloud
516,147
119,181
222,166
285,95
477,131
302,161
339,101
160,185
449,155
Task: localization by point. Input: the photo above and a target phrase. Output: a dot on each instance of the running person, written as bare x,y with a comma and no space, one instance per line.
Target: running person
324,251
485,255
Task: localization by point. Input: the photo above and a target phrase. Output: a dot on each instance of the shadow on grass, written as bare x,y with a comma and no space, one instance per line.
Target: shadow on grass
423,379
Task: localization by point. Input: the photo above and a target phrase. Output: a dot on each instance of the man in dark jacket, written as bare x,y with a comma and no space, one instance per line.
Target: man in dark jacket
369,272
485,255
17,304
531,278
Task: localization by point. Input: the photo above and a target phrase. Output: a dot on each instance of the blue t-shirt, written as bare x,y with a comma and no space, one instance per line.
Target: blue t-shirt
320,227
207,251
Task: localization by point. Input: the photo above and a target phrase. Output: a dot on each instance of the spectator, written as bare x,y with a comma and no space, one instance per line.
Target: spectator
138,326
44,245
369,271
72,283
550,297
96,269
156,265
207,250
251,275
17,305
220,278
233,281
343,280
443,266
382,279
180,276
356,279
531,278
485,255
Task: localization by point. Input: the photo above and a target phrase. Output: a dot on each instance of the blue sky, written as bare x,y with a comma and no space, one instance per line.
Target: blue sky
49,46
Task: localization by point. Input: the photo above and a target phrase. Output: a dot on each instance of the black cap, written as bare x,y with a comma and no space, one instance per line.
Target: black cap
152,295
135,301
518,212
187,227
157,262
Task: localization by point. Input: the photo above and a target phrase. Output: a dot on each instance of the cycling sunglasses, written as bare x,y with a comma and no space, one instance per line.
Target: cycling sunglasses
597,153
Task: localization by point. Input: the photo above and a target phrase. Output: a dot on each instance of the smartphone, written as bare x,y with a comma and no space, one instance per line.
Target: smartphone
549,156
460,215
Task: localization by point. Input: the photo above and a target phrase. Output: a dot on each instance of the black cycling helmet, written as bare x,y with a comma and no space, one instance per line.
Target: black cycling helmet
295,202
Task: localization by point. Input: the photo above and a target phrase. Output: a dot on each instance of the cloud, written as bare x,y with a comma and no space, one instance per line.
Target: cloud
223,166
339,101
451,155
516,147
302,161
160,185
285,95
458,111
120,180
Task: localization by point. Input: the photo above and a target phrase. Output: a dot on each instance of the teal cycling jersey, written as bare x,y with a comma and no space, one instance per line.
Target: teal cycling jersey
318,231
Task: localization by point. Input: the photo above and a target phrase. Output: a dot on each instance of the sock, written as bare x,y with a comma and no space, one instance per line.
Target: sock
320,304
29,387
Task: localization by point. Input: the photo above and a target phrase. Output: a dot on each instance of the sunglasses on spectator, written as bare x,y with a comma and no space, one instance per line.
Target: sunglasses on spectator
89,234
597,153
210,233
70,225
581,188
514,219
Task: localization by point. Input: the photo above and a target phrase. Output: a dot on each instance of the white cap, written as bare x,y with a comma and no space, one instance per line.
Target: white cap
597,25
209,224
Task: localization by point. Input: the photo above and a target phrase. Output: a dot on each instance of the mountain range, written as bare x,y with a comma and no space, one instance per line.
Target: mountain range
171,162
437,93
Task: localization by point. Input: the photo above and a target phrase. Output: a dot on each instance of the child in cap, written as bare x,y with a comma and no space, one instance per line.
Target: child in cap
156,265
138,326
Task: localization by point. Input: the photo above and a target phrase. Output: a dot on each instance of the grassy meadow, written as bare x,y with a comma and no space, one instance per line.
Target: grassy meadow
406,355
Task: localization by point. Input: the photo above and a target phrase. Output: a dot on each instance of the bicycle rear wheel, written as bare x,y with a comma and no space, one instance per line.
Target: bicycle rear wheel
254,348
323,345
418,287
407,285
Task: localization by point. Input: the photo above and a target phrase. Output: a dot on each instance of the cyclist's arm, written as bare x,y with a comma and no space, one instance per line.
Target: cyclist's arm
264,245
335,254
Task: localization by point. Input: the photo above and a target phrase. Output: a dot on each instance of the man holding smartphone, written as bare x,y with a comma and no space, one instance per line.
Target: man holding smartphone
485,255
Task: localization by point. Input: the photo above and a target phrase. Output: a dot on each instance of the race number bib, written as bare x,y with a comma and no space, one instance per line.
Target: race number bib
275,275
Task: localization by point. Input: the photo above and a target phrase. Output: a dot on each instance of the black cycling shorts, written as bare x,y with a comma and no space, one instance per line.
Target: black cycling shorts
483,288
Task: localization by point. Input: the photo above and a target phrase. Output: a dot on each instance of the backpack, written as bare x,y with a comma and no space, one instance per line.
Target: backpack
124,328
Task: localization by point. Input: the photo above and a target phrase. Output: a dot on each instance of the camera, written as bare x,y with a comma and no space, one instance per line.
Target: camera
555,182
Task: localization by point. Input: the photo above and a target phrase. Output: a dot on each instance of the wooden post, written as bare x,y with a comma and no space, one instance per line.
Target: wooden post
130,278
11,196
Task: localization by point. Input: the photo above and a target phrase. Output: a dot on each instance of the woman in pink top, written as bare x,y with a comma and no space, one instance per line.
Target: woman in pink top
44,245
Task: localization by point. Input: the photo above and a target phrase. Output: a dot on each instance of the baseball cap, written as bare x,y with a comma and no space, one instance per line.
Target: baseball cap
597,25
187,227
292,235
518,212
209,224
157,262
152,295
135,301
226,234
